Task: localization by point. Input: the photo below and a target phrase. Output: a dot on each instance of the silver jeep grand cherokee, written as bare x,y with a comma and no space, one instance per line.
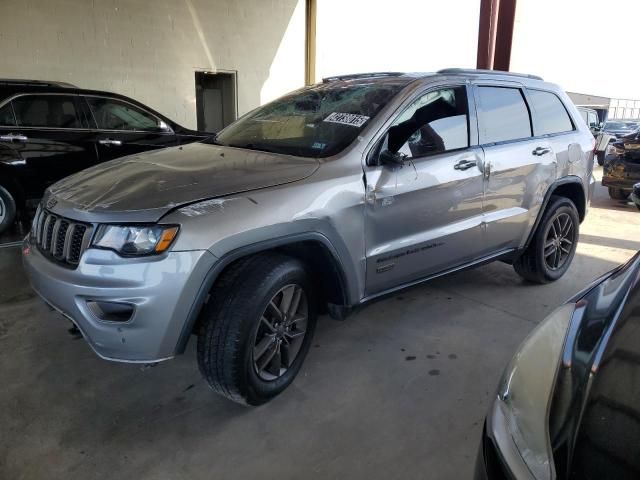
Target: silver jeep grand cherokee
317,202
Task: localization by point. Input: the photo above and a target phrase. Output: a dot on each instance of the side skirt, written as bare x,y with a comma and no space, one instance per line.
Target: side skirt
501,255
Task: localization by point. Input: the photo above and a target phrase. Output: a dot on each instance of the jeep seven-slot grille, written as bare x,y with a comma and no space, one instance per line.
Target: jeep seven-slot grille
60,238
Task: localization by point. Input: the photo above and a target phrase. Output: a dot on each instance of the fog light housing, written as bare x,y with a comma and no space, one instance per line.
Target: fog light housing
111,311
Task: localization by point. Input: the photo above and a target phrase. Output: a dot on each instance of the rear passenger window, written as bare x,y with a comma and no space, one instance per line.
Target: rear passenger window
502,115
549,114
54,111
6,116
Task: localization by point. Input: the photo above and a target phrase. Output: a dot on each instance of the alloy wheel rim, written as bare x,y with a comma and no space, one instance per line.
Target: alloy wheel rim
558,243
281,332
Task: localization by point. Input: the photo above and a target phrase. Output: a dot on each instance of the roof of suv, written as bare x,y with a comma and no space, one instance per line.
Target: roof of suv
35,83
447,71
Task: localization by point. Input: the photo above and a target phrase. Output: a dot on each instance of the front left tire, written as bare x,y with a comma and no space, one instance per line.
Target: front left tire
257,328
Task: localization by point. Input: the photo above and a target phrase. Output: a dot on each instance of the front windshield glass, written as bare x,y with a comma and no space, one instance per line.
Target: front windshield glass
620,125
317,121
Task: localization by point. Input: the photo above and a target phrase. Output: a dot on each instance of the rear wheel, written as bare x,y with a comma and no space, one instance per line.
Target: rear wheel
257,328
600,157
7,209
553,245
618,193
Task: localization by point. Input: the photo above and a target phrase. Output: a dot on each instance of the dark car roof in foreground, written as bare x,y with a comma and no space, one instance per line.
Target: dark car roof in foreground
595,412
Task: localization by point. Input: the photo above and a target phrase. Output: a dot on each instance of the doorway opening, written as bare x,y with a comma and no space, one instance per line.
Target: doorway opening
216,100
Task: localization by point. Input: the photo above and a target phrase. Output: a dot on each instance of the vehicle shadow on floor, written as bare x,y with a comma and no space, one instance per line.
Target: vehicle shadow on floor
610,242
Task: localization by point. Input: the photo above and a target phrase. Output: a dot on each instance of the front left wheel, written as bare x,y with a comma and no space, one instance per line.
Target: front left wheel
257,328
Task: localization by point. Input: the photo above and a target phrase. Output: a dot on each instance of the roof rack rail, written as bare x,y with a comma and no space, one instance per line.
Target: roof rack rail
487,72
43,83
354,76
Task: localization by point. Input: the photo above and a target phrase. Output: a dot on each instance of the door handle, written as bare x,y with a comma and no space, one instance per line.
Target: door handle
465,164
110,142
12,137
541,151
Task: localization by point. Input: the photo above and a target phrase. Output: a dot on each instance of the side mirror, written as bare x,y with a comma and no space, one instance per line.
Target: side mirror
387,157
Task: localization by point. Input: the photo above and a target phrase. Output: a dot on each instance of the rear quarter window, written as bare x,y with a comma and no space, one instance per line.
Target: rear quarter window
549,114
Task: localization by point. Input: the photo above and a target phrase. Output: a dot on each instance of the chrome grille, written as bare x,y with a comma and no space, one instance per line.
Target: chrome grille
60,238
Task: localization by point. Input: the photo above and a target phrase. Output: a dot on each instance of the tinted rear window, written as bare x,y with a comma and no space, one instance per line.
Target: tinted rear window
549,114
502,115
55,111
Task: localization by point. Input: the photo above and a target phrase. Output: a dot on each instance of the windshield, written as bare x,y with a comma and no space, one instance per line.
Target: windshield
318,121
620,125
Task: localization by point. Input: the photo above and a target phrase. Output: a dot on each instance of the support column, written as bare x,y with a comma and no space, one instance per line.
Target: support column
495,34
310,50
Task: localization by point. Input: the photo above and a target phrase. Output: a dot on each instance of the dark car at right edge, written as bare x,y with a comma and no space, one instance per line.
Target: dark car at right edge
568,404
621,169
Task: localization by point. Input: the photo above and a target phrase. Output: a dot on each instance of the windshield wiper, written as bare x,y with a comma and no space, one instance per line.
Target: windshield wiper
256,146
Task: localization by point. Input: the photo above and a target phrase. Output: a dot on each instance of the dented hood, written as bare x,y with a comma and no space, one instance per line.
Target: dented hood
144,187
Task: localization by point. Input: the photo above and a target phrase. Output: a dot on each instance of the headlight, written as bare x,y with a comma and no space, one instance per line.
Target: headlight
135,240
521,409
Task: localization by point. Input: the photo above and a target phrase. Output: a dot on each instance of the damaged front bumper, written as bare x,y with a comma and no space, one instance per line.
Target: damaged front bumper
128,310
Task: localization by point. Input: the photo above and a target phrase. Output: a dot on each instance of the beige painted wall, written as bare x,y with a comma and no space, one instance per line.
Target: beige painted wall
150,49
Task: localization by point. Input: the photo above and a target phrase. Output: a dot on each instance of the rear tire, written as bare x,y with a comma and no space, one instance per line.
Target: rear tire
248,350
7,209
600,157
553,245
617,193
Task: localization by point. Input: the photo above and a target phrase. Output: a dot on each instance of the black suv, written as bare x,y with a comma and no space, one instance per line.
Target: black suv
49,130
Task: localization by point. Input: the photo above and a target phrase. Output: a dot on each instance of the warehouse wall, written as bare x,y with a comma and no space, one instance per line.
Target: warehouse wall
150,50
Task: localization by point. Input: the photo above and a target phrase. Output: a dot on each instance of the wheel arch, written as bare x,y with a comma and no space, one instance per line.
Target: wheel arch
9,182
569,187
312,248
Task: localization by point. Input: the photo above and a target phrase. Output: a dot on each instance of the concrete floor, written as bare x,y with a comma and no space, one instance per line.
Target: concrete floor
397,391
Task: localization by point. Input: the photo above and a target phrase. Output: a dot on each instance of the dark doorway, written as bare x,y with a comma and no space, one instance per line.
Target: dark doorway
216,100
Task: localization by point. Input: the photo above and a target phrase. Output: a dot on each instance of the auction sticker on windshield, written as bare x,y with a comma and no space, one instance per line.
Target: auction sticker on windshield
352,119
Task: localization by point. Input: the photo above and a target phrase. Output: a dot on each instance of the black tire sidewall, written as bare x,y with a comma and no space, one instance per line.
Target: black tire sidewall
560,205
259,390
10,206
617,194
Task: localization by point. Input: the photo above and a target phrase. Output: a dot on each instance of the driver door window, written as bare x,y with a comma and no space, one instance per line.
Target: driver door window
111,114
437,122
